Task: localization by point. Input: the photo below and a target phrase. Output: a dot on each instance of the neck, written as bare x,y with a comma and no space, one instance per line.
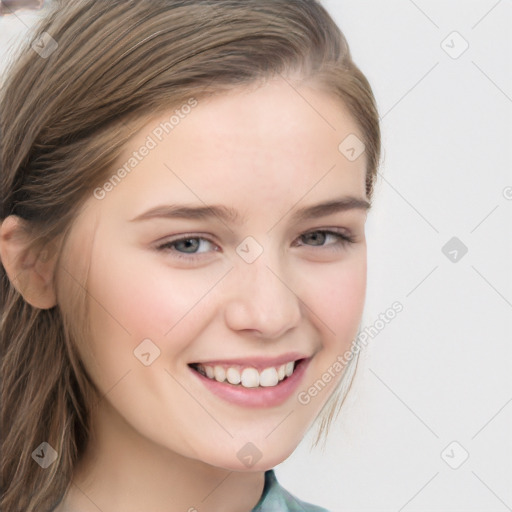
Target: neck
123,470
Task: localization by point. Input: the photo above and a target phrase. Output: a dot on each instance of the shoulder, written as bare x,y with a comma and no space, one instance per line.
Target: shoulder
277,499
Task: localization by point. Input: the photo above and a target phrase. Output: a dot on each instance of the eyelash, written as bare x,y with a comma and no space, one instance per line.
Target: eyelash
343,241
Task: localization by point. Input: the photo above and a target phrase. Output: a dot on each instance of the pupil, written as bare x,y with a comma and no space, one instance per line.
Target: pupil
190,243
317,237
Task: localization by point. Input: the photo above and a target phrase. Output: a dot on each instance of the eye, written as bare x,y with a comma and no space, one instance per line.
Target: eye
319,238
186,247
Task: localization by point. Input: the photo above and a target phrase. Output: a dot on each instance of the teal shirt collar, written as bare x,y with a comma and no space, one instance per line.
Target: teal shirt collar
276,499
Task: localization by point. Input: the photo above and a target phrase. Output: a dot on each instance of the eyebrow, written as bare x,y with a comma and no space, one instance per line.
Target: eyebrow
230,215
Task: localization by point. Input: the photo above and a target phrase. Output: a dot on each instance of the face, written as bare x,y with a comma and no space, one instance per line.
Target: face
236,291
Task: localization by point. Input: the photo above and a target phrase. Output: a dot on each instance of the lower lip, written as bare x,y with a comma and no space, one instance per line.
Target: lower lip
260,396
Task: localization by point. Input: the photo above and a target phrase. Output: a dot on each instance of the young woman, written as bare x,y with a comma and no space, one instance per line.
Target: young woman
185,185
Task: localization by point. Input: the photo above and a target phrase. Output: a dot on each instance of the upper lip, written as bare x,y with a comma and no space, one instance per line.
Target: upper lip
260,363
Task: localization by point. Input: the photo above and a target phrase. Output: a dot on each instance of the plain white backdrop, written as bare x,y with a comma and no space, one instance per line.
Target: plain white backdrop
428,424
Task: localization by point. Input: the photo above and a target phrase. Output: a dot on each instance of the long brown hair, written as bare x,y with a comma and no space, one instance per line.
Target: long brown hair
64,118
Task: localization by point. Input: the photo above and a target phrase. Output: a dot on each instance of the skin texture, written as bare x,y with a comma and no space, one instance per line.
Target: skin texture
161,440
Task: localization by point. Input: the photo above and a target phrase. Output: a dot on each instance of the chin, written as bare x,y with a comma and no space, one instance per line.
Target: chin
251,459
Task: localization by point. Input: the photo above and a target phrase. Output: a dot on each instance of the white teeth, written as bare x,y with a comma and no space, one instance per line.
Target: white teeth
268,377
249,377
233,375
219,374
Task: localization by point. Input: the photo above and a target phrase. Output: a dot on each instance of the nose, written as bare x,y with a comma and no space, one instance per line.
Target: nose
262,300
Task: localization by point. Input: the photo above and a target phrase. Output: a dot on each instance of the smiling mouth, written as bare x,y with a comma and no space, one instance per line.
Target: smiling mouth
247,376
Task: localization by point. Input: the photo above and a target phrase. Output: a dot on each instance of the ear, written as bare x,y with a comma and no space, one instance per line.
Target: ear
31,274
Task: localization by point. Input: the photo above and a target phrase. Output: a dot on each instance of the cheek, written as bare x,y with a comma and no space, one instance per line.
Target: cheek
133,299
128,303
137,296
338,294
133,296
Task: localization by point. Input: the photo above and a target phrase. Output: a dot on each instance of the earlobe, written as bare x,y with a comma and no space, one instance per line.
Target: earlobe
30,273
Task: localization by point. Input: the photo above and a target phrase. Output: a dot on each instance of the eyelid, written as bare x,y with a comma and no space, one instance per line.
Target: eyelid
183,237
345,235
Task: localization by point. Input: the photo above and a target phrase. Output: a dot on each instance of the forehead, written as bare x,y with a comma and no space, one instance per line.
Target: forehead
273,143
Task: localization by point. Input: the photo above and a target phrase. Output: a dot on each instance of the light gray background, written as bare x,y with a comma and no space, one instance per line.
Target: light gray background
441,370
